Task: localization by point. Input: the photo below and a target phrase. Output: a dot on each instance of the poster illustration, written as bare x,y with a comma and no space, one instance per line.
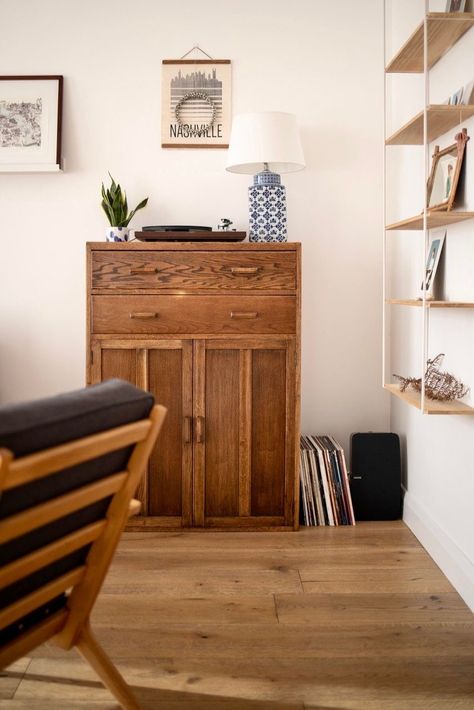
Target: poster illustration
196,96
20,123
30,123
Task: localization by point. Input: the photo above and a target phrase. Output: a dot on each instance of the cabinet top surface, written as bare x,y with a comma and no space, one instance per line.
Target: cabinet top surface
192,246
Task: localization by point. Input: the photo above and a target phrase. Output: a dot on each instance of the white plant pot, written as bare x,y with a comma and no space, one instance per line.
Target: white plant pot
117,234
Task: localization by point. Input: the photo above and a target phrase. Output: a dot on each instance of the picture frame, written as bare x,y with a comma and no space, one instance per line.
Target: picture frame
30,123
468,93
455,5
435,248
456,98
445,172
196,103
462,97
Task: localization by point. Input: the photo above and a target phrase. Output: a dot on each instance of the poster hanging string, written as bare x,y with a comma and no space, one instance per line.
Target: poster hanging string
199,50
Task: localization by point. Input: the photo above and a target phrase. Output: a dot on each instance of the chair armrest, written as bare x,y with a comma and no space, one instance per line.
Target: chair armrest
134,507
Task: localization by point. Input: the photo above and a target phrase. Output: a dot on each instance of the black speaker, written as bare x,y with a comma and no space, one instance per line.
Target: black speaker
376,476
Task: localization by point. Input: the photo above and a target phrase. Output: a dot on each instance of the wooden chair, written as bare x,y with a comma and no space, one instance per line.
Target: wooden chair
59,549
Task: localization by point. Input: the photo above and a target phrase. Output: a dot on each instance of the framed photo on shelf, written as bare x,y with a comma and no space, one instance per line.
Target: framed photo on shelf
455,5
445,173
196,103
30,123
435,248
468,93
456,98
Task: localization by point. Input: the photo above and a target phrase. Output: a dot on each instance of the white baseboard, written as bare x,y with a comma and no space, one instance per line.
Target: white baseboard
444,551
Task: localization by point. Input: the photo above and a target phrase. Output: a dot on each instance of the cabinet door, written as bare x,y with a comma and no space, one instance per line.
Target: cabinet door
164,367
245,414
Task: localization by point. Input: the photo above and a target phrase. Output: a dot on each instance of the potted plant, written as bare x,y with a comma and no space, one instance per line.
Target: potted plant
114,203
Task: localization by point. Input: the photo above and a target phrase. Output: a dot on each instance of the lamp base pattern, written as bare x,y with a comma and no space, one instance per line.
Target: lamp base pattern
267,213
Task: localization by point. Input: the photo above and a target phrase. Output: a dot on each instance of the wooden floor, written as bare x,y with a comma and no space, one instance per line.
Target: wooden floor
355,618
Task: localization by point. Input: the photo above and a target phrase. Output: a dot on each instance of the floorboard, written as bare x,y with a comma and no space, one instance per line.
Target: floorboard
342,619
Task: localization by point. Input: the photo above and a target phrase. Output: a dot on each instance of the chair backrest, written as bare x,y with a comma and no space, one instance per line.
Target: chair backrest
63,508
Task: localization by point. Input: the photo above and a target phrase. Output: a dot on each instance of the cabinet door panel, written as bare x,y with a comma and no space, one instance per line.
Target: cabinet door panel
165,369
244,460
222,433
118,363
167,471
269,411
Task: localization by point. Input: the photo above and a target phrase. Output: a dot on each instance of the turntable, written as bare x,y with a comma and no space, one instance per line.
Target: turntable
187,233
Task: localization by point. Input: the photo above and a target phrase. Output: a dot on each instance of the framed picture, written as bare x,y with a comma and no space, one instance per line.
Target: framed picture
196,103
445,172
455,5
435,248
30,123
456,98
464,96
468,93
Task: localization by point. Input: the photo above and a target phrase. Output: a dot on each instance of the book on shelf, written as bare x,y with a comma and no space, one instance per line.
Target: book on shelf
324,482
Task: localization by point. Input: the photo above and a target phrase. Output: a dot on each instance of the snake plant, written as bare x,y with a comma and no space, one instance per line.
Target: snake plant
114,203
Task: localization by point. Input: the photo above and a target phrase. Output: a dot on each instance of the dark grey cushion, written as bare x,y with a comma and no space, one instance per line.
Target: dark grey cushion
33,426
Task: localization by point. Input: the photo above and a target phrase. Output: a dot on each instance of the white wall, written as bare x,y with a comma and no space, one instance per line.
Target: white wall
319,60
438,451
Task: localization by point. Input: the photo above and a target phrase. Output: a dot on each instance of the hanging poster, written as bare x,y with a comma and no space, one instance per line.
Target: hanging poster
196,98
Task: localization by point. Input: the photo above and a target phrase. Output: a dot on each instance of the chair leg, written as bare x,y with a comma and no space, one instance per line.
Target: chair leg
91,650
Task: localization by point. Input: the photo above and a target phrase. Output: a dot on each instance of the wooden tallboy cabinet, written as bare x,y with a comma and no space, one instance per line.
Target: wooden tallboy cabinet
213,331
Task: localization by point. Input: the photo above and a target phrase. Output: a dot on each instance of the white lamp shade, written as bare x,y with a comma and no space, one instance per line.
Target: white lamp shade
270,137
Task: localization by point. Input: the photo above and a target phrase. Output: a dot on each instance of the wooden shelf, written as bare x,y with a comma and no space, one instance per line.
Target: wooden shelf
430,304
444,30
431,406
435,219
441,118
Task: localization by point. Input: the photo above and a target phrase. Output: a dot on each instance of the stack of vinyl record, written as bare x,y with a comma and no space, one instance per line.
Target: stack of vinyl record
325,492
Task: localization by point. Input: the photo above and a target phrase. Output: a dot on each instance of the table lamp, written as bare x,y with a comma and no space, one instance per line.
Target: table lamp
264,145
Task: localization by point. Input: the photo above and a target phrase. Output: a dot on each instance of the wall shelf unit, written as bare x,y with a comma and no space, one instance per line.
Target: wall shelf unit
431,40
429,304
441,118
444,30
434,221
430,406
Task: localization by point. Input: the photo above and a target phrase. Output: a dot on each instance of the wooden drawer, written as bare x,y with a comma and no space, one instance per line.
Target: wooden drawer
193,270
193,314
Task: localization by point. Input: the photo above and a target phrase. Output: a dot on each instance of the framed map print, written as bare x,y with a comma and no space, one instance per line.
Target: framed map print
196,103
30,123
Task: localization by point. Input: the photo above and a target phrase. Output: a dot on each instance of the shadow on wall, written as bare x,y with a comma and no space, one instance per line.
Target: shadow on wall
32,363
403,453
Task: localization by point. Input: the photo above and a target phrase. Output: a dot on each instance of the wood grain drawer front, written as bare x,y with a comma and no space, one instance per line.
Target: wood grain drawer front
193,314
194,270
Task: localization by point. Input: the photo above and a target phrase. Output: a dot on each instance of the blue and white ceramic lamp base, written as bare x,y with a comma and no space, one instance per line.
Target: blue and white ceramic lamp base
267,209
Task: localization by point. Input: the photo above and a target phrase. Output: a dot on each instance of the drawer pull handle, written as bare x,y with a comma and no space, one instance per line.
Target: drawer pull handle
139,272
245,269
244,314
143,316
199,430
